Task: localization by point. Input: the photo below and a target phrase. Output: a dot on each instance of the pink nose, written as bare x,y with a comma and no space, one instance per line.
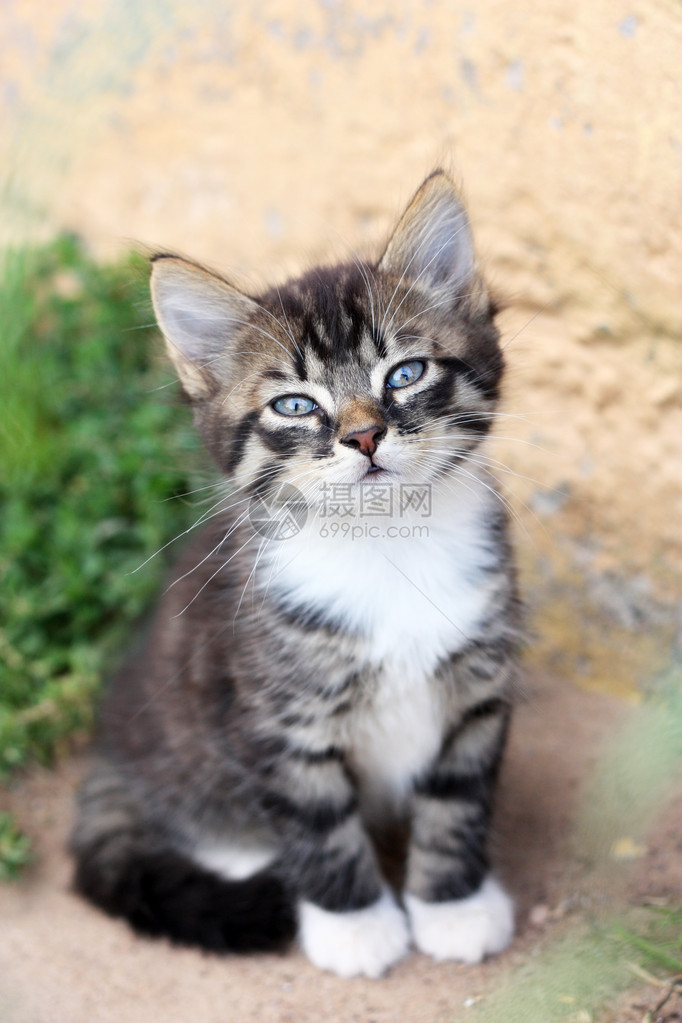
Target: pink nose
364,440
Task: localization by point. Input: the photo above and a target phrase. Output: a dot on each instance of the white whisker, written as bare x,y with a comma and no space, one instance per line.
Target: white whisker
212,577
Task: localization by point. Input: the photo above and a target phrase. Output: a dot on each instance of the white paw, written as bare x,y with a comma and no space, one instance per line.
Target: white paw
361,941
466,929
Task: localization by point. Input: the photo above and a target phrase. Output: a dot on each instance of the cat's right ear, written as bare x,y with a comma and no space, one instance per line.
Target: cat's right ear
432,245
199,314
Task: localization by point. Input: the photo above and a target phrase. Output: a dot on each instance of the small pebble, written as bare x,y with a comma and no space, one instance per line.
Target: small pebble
539,915
627,848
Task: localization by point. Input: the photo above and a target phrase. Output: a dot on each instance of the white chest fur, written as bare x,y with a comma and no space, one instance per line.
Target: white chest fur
415,597
395,734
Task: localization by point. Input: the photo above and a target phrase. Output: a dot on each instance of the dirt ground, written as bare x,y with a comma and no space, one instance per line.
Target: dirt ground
62,961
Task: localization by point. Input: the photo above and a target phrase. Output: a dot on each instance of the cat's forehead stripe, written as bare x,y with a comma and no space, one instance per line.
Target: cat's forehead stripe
330,313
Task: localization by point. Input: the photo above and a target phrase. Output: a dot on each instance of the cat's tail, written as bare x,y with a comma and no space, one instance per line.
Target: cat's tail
128,872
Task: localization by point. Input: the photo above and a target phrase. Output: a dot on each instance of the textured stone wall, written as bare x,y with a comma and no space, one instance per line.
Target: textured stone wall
259,136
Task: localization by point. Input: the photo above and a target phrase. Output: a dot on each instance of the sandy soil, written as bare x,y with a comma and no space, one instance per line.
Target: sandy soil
63,961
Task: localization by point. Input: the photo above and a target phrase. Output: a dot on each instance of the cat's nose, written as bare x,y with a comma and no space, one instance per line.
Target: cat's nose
365,440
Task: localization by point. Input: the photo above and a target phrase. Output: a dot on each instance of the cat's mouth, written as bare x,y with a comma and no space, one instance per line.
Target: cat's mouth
376,472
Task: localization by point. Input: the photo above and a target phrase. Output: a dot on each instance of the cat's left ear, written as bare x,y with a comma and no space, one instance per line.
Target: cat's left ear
432,245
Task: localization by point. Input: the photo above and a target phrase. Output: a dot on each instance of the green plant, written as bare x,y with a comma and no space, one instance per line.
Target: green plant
15,851
92,447
656,940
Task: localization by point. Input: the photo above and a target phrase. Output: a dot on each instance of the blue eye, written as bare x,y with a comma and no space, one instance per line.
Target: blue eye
405,375
294,405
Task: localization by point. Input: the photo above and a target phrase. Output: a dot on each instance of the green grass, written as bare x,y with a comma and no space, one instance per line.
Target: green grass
657,941
637,771
577,977
15,849
92,445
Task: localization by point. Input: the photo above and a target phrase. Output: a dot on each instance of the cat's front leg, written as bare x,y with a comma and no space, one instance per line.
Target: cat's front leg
349,922
456,909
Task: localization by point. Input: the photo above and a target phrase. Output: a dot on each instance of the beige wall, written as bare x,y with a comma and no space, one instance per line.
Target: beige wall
259,136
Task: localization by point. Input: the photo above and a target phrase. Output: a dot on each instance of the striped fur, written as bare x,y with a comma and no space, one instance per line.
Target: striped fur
294,697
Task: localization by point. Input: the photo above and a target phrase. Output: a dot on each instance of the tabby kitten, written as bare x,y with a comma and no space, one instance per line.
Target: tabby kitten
301,689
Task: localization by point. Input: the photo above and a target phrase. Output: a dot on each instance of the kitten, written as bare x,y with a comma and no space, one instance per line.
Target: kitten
333,662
